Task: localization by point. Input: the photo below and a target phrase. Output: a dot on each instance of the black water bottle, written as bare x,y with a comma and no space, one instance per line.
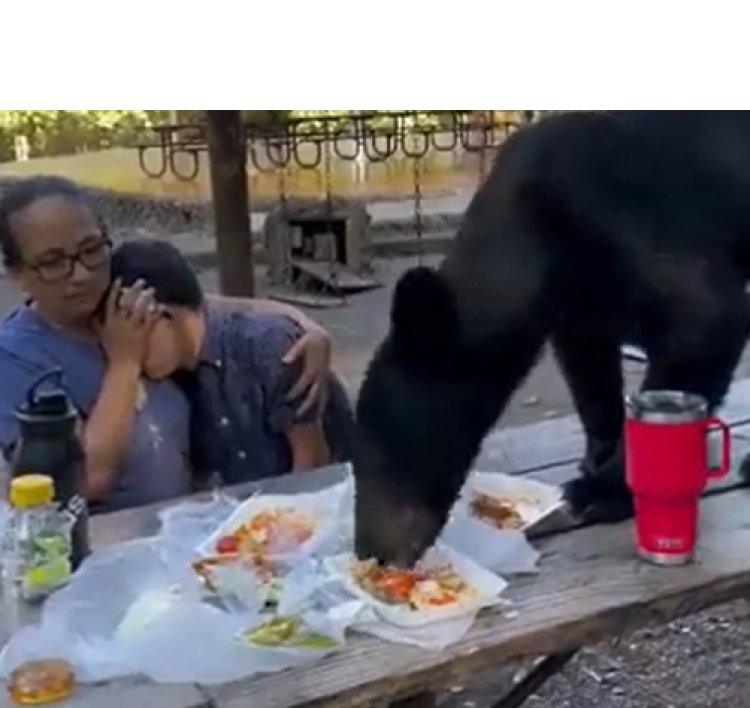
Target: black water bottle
49,444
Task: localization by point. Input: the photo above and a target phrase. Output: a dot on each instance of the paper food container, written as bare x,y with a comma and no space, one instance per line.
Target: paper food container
532,499
328,510
486,585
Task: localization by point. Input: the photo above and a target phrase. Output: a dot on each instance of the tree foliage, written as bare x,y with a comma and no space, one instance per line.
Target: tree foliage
66,132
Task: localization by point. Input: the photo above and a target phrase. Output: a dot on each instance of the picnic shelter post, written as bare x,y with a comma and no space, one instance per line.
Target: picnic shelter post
227,156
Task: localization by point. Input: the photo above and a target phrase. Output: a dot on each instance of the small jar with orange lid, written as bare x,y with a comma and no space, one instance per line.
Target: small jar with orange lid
37,545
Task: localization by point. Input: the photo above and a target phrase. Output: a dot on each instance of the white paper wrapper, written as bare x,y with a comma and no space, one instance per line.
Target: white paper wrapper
487,585
503,552
435,636
330,508
186,525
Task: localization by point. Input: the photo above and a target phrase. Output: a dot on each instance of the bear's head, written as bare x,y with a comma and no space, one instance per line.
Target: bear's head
422,412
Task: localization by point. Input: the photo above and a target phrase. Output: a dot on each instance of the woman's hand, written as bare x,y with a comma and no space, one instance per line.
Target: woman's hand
129,316
314,349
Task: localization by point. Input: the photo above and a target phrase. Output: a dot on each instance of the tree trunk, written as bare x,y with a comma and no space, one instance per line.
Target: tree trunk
227,157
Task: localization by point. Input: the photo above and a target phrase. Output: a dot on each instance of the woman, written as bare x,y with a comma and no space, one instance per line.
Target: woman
135,431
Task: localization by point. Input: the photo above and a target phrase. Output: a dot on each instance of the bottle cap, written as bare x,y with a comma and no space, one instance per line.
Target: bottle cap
31,490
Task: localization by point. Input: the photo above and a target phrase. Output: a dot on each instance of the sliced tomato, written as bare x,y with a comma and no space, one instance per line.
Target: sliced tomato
227,544
397,585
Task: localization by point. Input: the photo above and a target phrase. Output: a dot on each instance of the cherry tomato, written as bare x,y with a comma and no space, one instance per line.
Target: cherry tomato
397,585
227,544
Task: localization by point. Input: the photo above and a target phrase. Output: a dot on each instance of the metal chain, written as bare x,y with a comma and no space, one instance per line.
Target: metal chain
283,201
329,205
281,173
243,146
418,226
483,147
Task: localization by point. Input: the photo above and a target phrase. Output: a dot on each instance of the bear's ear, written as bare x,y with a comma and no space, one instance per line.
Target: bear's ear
423,315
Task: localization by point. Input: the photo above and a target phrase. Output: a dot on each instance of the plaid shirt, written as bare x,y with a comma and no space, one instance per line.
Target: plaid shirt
238,397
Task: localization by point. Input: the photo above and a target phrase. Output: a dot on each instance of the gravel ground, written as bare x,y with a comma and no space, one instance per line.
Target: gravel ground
696,662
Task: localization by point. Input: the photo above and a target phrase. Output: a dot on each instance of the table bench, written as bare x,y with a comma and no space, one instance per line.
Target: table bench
590,588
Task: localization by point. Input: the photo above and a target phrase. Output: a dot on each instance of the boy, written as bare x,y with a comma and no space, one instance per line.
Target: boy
229,362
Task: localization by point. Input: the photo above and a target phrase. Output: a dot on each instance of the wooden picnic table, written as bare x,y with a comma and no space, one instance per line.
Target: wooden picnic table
591,587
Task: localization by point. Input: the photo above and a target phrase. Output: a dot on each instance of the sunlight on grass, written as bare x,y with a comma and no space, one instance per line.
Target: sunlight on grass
118,170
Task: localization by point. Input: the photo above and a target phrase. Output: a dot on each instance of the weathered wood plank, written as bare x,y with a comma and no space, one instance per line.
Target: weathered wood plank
559,474
591,587
143,521
561,440
563,521
128,693
125,525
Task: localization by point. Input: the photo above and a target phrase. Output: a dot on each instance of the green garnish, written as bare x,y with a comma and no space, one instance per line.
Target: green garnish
288,631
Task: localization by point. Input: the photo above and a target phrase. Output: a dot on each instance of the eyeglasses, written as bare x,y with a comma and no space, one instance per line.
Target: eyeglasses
60,267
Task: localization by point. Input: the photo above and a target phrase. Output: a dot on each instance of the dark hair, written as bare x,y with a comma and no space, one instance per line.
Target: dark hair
24,193
163,268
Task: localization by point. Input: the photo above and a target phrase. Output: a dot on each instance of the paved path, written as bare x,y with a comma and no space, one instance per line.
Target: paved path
401,209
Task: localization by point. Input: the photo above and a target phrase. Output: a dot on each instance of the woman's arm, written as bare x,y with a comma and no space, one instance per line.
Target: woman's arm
124,337
107,431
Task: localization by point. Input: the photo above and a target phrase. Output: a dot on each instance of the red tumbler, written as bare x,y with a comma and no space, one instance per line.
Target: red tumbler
667,462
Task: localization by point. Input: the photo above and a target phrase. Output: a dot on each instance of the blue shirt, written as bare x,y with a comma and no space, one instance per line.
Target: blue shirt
156,463
239,400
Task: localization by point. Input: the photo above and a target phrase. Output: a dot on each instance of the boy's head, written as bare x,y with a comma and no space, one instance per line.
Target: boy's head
175,339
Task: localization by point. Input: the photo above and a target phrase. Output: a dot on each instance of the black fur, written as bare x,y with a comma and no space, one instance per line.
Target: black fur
591,230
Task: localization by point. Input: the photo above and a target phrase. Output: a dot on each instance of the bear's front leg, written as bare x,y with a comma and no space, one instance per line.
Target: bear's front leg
589,356
600,494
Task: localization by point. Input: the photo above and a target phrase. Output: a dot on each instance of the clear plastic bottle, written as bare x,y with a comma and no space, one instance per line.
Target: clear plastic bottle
37,547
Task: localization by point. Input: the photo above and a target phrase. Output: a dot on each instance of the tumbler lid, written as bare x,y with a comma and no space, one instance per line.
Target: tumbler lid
666,406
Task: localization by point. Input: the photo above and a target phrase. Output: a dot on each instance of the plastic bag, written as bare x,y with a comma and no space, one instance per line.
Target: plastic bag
190,642
140,608
50,638
200,643
184,526
79,622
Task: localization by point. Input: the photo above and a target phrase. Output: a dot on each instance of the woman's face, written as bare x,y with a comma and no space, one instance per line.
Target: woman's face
65,258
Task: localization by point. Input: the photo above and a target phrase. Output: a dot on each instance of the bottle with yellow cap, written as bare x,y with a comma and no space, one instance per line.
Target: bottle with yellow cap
37,549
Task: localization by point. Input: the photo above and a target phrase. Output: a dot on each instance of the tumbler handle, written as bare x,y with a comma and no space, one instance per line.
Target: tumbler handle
724,464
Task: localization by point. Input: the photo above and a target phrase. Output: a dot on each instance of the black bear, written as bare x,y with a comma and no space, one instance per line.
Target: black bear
591,230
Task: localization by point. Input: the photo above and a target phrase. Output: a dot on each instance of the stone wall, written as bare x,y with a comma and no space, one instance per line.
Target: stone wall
144,213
